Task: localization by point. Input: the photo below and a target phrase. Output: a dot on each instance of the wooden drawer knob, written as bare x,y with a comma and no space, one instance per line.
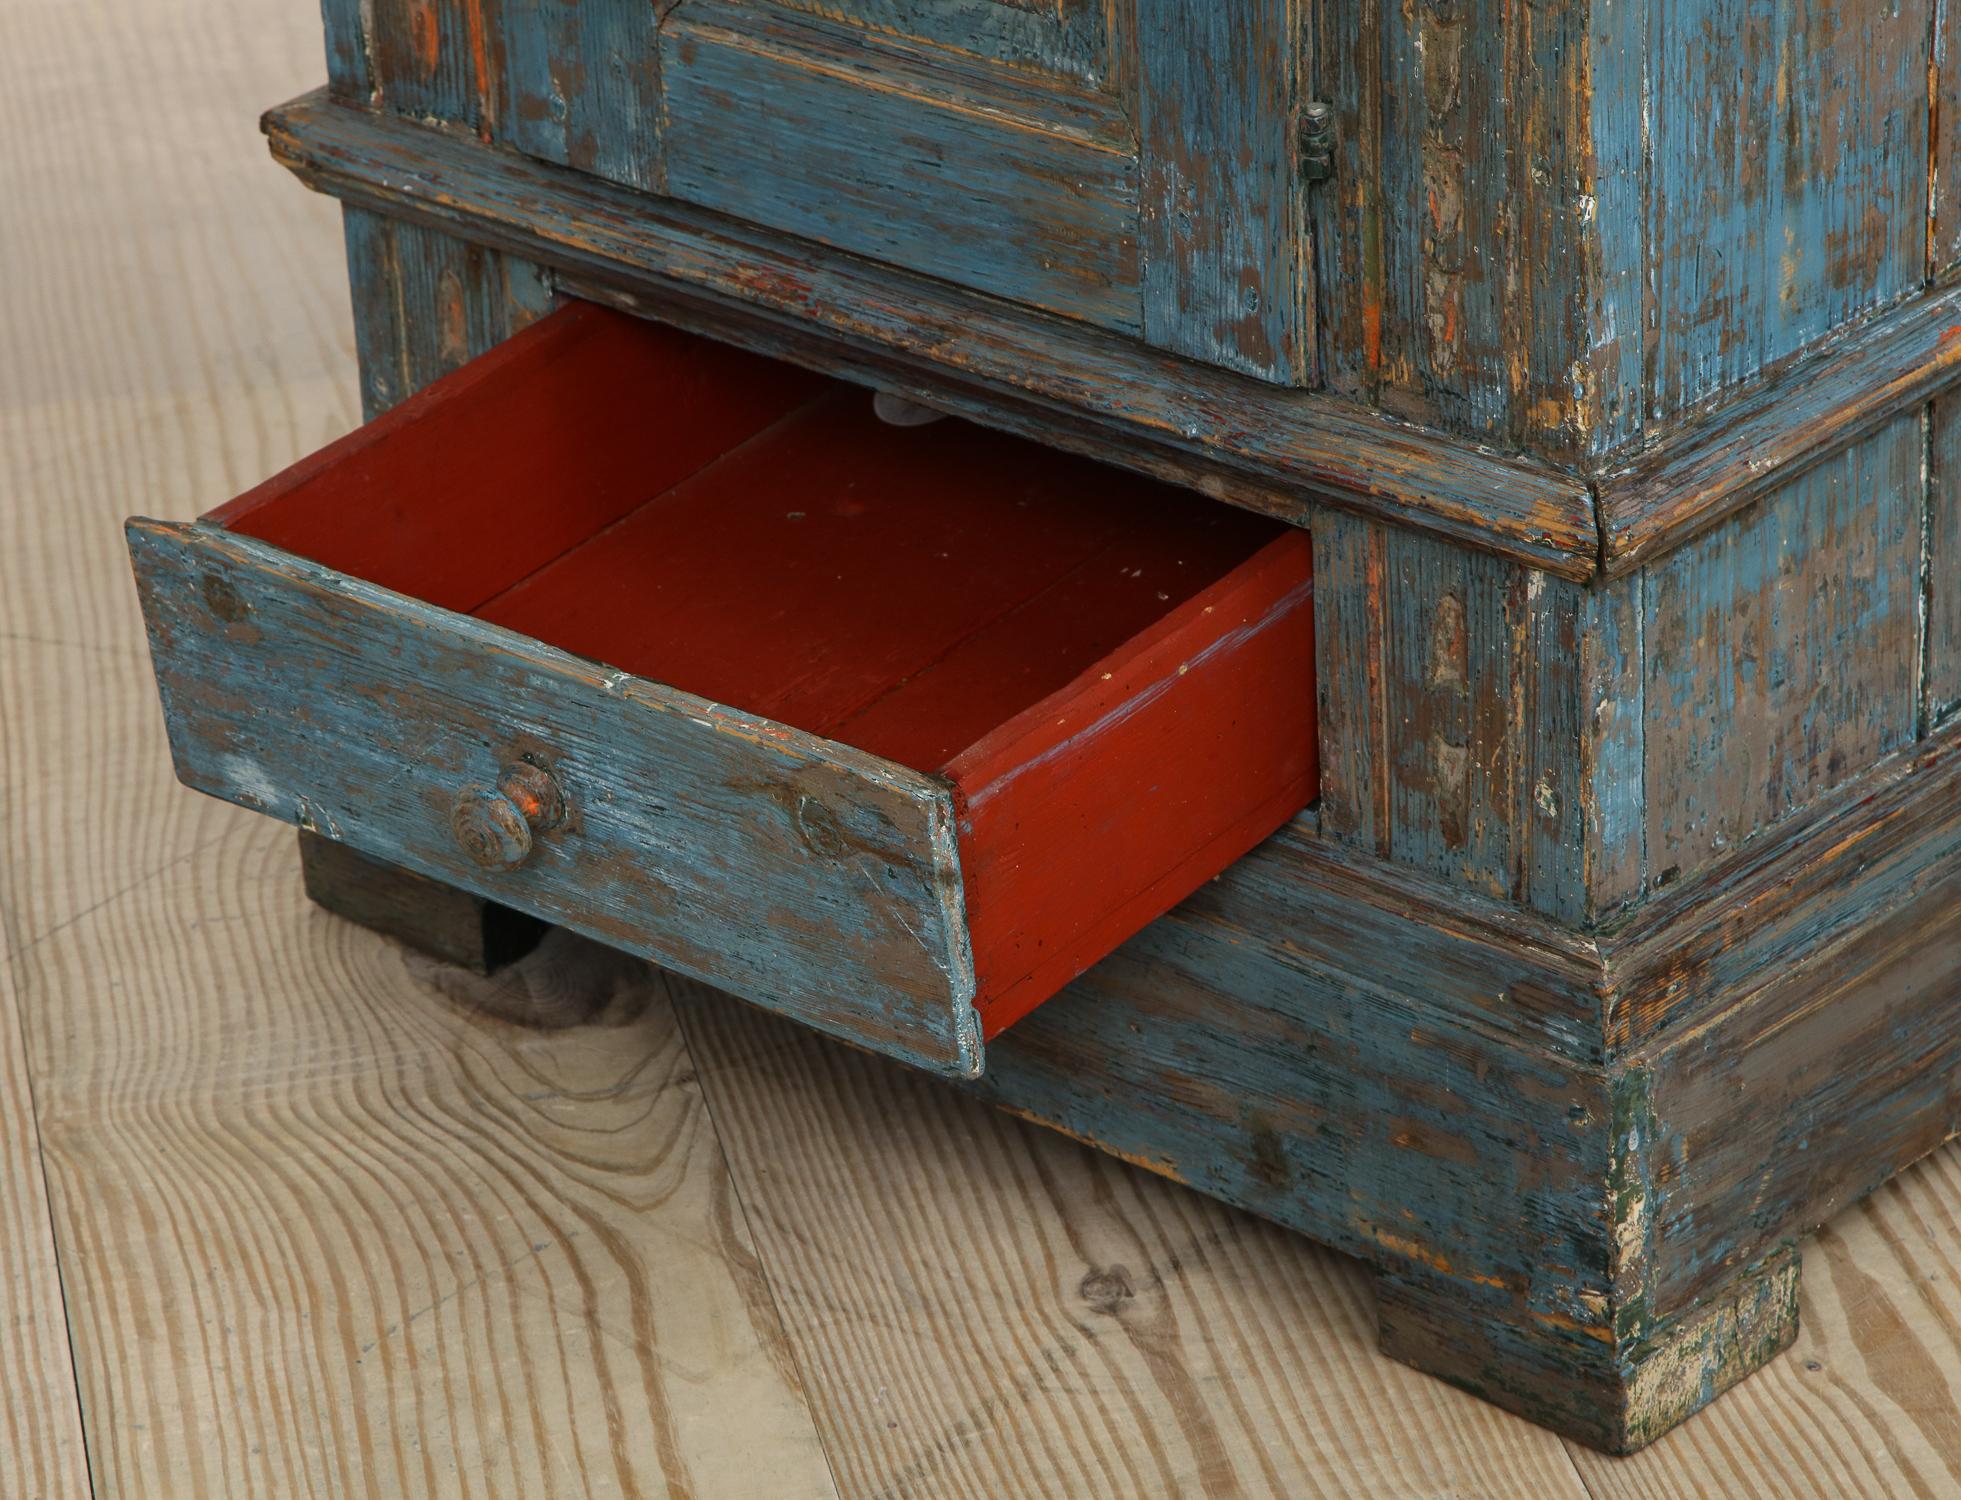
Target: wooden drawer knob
495,825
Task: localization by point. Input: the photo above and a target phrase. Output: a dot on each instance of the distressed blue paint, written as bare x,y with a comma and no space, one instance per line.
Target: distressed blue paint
349,75
1452,242
362,714
1814,409
1615,368
1782,650
1069,39
1249,442
425,57
1461,717
578,83
426,303
1787,181
1005,185
1352,1089
1616,1394
1611,776
1798,1103
1944,233
1941,567
1225,246
1317,1087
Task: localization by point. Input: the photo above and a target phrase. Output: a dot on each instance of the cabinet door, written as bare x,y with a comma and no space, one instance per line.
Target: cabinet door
1131,163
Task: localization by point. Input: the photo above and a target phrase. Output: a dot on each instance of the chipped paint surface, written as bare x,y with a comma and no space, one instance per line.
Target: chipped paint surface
1612,881
1250,442
360,713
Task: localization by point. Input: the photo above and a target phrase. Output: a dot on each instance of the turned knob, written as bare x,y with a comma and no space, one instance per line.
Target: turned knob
495,825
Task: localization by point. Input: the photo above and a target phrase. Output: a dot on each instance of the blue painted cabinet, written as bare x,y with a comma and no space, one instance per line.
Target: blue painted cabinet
1607,352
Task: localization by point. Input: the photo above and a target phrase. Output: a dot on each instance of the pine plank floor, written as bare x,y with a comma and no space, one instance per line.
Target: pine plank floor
285,1211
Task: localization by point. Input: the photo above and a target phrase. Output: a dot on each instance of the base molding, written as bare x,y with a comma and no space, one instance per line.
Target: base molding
1586,1222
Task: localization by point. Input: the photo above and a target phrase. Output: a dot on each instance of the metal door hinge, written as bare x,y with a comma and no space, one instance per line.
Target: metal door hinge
1317,142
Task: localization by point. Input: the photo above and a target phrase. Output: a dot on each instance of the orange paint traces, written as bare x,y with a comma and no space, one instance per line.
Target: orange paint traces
425,37
480,62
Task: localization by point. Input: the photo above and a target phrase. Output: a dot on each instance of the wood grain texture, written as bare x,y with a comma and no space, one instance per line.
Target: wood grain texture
480,297
727,882
1044,1321
812,130
359,1245
217,355
1450,239
1143,722
1941,565
1865,1402
580,85
1243,440
1944,121
299,1230
1784,157
1706,943
41,1446
1782,650
1805,411
1226,251
1480,721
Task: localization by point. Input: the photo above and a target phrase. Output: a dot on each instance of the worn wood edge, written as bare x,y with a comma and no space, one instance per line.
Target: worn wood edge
1813,405
962,1053
1241,439
1613,1394
1784,897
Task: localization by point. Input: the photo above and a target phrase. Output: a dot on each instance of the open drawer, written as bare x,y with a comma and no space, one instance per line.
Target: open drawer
893,730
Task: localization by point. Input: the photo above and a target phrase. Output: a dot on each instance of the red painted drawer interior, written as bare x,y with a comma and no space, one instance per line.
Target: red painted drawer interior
1113,678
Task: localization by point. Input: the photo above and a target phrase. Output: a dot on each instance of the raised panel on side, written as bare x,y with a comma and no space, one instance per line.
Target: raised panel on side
1009,183
1944,229
427,303
1479,720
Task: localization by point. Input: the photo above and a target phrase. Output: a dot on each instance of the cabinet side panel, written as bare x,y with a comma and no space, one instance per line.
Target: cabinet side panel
1783,650
579,84
349,74
429,58
1476,718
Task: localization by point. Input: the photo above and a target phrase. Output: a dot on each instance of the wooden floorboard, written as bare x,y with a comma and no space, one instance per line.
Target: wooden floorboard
986,1309
41,1449
328,1224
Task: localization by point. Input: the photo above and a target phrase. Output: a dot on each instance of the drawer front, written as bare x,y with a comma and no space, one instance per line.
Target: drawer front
806,876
